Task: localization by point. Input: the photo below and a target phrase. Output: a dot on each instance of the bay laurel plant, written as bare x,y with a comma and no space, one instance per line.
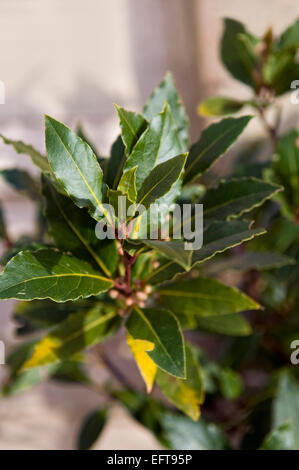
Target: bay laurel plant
92,273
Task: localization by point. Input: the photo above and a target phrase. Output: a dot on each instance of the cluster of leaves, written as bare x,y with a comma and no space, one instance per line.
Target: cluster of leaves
162,297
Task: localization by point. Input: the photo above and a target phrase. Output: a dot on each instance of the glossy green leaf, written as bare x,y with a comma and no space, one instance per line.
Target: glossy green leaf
37,158
158,143
204,297
72,228
81,133
50,274
220,106
75,166
212,144
186,394
132,127
167,92
160,180
127,184
184,434
286,406
234,197
161,328
237,52
91,428
79,331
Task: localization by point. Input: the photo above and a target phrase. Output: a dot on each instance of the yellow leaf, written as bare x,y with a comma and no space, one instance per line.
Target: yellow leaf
146,365
41,353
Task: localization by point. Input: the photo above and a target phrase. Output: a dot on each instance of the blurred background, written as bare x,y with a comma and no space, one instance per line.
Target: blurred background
72,59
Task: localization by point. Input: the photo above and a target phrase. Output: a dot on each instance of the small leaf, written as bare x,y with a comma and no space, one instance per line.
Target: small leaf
79,331
158,143
186,394
238,55
167,92
290,37
132,127
160,180
220,106
235,197
161,328
214,142
21,181
50,274
231,384
204,297
146,365
232,325
75,166
127,184
37,158
173,250
115,164
91,428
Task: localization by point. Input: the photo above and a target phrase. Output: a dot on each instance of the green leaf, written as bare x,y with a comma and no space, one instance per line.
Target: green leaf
160,180
217,238
281,69
204,298
46,313
161,328
72,228
132,127
231,384
260,260
186,394
232,325
91,428
167,92
115,164
213,142
81,133
220,106
3,232
75,166
279,439
220,236
21,181
173,250
235,197
237,54
127,184
286,406
290,37
285,167
184,434
158,143
50,274
37,158
78,332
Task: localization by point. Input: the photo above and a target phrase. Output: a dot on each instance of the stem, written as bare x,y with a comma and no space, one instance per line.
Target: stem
115,371
272,131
